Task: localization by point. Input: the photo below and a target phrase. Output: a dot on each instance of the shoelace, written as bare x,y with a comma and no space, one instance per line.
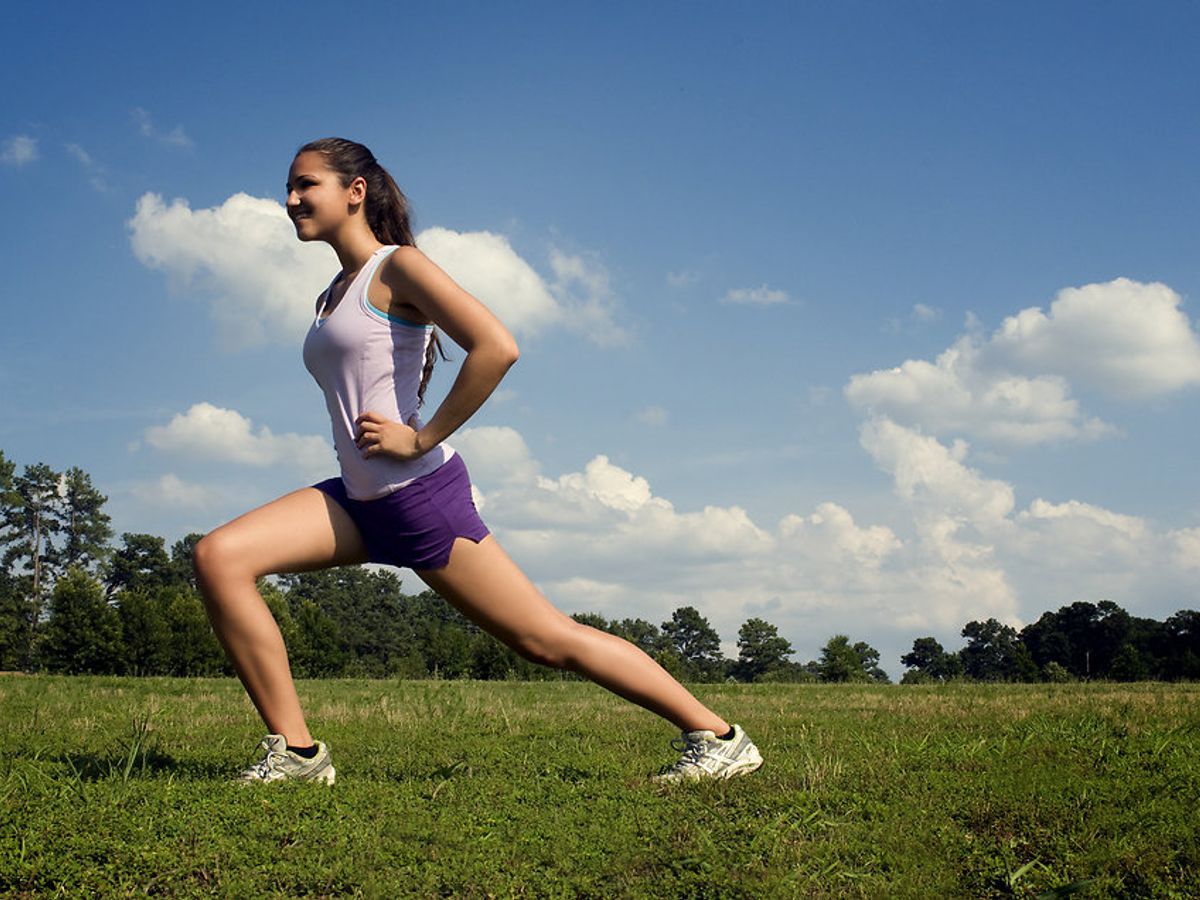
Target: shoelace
693,752
263,767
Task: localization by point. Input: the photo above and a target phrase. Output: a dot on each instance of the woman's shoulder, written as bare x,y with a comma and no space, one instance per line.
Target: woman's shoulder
407,267
404,258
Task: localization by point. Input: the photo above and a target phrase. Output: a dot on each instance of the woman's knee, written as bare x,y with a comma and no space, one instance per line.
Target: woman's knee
217,556
557,647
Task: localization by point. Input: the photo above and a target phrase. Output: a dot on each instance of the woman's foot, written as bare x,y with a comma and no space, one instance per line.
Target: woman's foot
280,763
707,756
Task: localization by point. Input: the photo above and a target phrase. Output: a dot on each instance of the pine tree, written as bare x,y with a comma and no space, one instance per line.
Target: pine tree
760,649
83,633
31,519
694,640
86,527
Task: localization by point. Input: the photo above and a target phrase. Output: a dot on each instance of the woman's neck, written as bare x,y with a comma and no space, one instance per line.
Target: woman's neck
354,249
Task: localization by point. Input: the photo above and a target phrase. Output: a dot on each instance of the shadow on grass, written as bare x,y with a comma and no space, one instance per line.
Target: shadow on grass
128,767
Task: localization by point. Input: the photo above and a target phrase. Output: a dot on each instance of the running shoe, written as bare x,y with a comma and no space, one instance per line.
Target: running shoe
707,756
279,763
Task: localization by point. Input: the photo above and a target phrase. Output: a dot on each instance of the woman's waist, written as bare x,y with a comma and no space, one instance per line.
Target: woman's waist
369,478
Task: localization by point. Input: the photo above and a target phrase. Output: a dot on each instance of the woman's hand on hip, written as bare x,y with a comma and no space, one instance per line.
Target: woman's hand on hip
380,435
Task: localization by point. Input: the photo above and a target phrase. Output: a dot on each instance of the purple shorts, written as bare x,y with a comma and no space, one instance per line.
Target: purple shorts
415,526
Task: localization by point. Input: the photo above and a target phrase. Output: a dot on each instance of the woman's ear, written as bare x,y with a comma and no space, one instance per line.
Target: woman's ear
358,190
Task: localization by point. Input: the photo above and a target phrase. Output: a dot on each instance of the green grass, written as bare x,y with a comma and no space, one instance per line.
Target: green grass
119,787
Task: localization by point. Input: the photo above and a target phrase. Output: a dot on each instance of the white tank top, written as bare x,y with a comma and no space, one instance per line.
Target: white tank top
369,361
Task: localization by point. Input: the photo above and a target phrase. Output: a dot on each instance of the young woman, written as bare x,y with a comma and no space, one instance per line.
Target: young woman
404,496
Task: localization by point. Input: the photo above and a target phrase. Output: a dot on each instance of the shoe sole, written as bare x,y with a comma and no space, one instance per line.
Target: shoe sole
744,768
327,776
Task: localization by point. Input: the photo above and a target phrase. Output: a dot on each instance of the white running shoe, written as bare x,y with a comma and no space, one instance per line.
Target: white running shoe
279,763
707,756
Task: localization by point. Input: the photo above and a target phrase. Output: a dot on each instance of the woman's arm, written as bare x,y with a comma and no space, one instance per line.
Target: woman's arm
491,351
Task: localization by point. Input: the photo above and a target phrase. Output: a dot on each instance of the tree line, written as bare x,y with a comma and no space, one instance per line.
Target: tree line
71,601
1081,641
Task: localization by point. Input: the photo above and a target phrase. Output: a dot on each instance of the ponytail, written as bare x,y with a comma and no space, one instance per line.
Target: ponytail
386,209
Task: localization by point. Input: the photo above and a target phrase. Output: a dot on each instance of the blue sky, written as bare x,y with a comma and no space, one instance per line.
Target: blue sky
869,318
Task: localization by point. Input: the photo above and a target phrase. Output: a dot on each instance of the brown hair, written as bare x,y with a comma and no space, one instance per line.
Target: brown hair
386,208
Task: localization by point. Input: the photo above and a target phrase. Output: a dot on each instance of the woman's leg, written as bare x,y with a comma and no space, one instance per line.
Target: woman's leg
488,588
301,531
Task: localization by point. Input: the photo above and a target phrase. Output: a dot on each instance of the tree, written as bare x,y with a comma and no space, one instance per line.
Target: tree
182,552
1127,665
870,662
318,653
1083,637
993,653
594,620
277,605
1180,642
86,527
760,649
194,647
83,633
931,660
694,640
638,631
10,502
146,632
48,522
840,661
15,613
32,516
140,563
375,621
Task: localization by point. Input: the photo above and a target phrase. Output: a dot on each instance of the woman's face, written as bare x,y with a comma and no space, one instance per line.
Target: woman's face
316,201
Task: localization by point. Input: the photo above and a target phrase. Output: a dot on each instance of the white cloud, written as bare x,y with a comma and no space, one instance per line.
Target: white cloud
603,483
96,173
952,396
682,279
210,432
263,283
1129,526
1122,338
654,416
978,556
19,150
933,475
497,455
487,266
1185,548
759,296
175,137
829,534
81,155
172,492
923,313
589,307
600,539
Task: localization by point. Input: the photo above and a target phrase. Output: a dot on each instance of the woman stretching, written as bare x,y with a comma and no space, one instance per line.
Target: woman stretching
404,496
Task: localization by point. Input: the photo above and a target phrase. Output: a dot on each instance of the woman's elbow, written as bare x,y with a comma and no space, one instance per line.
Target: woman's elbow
509,352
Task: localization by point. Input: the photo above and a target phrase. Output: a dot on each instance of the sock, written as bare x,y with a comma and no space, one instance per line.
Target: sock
307,752
727,736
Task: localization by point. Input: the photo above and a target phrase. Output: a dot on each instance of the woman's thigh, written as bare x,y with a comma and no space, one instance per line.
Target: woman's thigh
486,586
299,532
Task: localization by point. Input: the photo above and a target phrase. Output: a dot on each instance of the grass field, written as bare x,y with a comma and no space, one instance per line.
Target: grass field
119,787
